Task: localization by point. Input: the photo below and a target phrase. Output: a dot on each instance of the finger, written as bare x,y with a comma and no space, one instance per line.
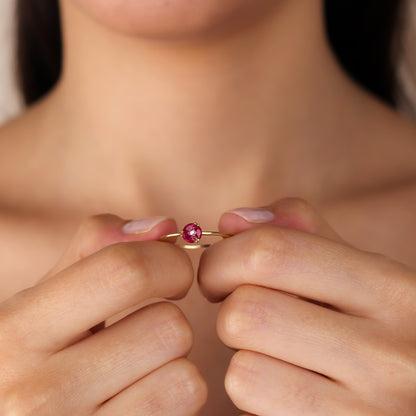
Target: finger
265,386
300,263
289,212
51,315
125,352
299,332
99,231
176,389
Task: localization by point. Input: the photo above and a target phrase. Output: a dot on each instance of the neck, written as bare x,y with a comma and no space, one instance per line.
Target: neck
235,109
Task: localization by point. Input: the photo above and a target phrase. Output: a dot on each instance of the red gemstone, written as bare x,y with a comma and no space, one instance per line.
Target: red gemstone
192,232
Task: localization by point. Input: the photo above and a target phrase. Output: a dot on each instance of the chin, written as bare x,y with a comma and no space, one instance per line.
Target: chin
170,19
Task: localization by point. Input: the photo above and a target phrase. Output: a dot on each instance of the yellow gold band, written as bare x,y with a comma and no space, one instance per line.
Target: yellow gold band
192,235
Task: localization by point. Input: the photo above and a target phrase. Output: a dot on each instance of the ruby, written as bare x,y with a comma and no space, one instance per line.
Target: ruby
192,232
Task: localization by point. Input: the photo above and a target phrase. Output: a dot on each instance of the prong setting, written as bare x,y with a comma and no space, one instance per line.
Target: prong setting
192,233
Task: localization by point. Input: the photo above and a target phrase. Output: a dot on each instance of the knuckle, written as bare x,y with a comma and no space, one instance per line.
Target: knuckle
241,314
240,376
173,330
267,246
244,383
191,386
186,387
305,396
131,266
138,265
153,404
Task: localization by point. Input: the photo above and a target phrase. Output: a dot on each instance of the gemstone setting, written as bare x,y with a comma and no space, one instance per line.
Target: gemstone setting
192,233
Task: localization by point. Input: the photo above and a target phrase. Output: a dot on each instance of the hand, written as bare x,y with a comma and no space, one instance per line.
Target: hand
322,328
51,364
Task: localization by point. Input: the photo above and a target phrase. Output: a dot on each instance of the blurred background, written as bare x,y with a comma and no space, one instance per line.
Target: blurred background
9,98
10,102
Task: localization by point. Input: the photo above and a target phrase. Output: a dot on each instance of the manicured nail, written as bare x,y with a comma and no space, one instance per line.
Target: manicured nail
256,215
142,226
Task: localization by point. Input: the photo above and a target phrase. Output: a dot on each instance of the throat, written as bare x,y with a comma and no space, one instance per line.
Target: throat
195,118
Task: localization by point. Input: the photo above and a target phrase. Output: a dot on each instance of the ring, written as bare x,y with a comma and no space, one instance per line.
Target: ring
192,234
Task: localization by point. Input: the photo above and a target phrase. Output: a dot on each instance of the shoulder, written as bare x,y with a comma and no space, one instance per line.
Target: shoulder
382,221
377,211
30,245
33,231
21,159
32,155
30,242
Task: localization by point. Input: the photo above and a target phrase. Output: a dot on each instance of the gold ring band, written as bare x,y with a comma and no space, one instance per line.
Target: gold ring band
192,234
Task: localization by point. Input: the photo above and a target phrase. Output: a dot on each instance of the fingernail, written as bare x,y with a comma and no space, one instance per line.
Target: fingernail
142,226
256,215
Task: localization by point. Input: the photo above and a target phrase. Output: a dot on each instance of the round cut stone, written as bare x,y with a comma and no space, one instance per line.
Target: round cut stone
192,233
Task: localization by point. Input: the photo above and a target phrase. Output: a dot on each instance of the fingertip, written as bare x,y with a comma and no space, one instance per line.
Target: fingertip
103,230
295,213
241,219
230,222
146,229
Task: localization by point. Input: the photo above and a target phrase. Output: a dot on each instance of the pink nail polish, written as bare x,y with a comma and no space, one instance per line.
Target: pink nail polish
142,226
254,215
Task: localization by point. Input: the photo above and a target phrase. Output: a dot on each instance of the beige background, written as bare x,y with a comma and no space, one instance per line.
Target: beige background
407,66
10,102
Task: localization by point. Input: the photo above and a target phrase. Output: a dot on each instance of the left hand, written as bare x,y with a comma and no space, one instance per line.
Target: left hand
322,328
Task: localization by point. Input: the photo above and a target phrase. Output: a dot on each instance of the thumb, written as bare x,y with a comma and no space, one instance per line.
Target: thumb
99,231
288,212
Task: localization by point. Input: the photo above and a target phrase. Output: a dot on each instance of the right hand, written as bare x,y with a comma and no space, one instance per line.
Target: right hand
52,364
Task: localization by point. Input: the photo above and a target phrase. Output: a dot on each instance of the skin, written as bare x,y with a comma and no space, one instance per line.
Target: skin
58,353
193,118
315,320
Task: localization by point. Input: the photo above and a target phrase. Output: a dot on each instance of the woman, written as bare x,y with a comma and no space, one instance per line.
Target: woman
175,111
